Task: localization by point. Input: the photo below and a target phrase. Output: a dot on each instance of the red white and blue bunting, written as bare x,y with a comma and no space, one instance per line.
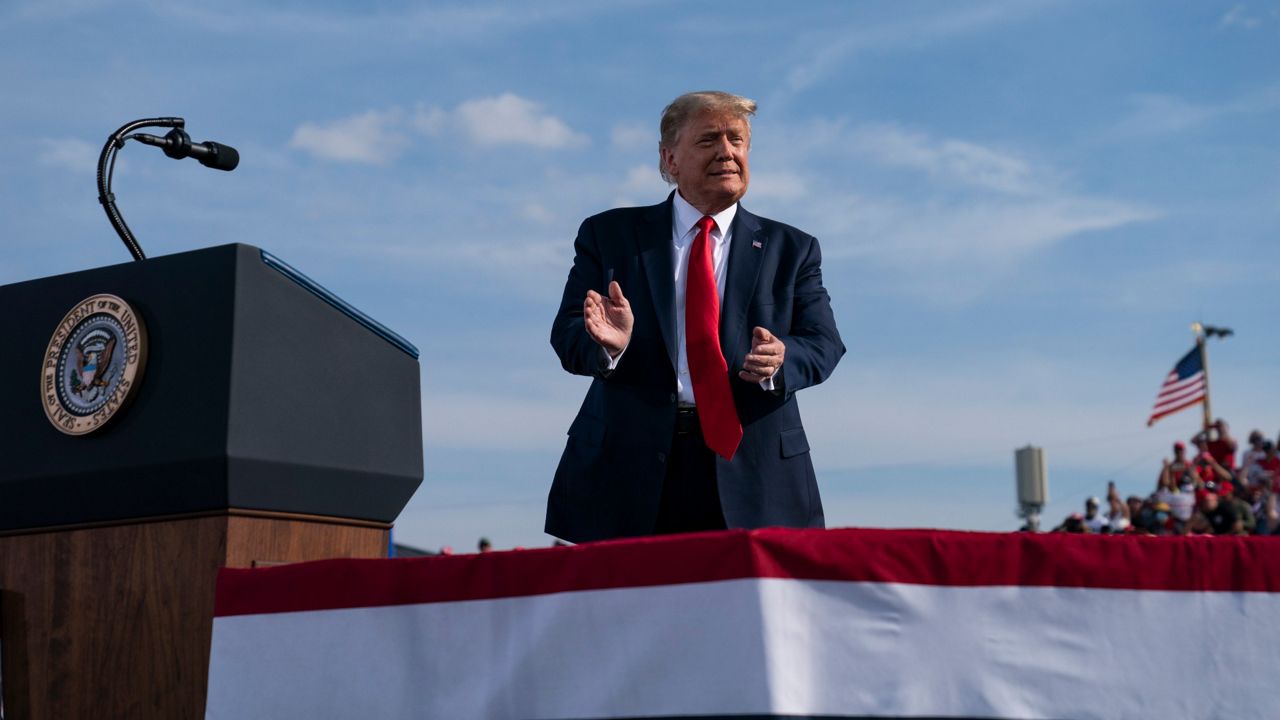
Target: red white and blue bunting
763,624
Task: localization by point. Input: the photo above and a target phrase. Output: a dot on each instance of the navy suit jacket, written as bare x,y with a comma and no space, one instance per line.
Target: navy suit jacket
610,476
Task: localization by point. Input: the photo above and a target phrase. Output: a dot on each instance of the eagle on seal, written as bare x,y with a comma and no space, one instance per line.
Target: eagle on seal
88,365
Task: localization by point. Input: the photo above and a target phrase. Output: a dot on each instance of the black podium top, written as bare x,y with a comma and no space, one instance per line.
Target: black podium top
260,391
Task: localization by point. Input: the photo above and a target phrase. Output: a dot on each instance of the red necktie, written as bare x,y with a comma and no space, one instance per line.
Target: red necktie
721,429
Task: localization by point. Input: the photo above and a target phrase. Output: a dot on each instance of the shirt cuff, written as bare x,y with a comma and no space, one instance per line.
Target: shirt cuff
767,384
611,363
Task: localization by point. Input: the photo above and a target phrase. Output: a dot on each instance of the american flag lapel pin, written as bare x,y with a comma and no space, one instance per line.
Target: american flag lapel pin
757,244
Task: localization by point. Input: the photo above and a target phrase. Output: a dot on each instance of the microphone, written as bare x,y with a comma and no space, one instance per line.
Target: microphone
177,145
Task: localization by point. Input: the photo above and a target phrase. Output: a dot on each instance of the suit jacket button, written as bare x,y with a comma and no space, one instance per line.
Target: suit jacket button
673,397
662,457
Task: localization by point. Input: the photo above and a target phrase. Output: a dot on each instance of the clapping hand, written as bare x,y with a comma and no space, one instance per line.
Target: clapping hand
609,319
765,357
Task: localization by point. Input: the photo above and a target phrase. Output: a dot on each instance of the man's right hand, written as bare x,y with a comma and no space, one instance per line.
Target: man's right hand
609,319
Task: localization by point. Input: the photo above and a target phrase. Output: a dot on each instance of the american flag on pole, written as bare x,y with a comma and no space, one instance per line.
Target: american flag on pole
1183,387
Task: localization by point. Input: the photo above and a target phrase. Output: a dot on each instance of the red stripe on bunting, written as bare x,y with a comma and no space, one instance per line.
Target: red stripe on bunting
921,557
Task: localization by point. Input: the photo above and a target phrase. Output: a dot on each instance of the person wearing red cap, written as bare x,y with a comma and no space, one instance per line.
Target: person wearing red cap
1219,513
1209,471
1177,468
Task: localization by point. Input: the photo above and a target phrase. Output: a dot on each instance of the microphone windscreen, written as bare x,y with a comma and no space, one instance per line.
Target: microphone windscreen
225,157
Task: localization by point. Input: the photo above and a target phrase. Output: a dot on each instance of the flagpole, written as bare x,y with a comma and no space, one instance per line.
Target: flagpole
1204,364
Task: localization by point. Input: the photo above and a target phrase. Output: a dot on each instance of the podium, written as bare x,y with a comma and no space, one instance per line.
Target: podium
269,422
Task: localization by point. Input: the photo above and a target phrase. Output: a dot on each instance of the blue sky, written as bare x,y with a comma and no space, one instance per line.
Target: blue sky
1023,206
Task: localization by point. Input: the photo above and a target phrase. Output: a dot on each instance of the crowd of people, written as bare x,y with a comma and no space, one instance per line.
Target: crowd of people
1218,490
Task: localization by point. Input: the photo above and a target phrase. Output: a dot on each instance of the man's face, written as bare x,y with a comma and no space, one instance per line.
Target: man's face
709,160
1135,506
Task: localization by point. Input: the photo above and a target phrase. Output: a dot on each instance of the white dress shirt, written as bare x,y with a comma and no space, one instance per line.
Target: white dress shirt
684,228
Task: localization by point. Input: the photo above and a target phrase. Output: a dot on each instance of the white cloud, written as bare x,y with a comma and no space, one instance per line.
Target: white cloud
949,222
46,10
1024,389
1239,16
430,120
537,212
1156,114
780,185
640,185
70,153
377,137
644,180
633,136
976,246
941,219
524,264
1000,233
1195,277
949,251
384,24
512,120
373,138
835,45
958,160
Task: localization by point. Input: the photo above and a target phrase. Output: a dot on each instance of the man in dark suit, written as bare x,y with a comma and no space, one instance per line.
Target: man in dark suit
698,322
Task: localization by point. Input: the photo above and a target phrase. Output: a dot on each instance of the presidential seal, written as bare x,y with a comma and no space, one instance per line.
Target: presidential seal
93,365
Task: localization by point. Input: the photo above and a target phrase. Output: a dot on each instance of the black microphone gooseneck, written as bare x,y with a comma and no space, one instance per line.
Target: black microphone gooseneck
106,168
176,144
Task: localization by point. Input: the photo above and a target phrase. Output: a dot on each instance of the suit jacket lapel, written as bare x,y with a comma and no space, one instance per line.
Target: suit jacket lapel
654,247
746,252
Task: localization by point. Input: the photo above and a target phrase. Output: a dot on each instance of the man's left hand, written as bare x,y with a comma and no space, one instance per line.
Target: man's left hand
765,357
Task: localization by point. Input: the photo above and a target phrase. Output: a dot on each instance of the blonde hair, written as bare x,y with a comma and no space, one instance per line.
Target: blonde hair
679,112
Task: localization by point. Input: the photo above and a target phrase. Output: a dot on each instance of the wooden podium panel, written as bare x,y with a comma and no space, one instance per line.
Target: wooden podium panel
114,620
